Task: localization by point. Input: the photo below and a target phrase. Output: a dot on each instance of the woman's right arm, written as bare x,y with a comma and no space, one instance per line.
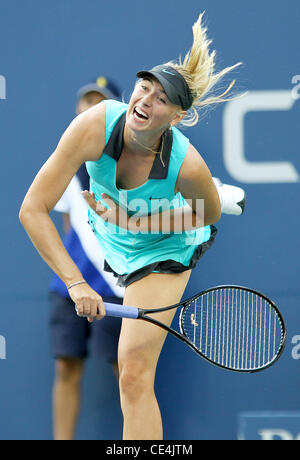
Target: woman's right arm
83,140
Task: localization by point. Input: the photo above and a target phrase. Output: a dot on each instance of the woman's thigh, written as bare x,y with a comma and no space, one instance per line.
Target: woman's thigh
142,341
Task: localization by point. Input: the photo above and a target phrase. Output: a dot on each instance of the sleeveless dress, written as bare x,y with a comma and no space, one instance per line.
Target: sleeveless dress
130,256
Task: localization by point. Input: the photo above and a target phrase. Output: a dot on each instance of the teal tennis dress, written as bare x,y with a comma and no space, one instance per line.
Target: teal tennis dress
131,256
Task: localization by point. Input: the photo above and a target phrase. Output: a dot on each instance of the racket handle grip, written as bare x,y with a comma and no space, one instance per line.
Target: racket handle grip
121,311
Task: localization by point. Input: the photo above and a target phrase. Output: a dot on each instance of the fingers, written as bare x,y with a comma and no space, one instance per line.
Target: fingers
109,209
90,308
98,206
85,306
109,201
88,303
90,199
100,309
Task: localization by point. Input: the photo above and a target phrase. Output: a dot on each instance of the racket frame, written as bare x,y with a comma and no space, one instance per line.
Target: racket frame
142,314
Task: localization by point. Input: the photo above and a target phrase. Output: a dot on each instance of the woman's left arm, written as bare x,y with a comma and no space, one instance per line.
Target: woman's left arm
195,184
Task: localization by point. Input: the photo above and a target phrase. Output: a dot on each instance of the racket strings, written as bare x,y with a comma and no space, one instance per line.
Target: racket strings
234,328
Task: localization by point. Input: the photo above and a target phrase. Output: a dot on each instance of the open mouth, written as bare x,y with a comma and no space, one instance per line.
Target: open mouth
140,114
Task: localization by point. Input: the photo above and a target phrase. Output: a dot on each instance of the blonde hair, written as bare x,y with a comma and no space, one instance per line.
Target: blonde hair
198,70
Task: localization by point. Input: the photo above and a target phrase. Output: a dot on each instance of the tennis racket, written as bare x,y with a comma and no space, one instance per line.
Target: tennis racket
232,327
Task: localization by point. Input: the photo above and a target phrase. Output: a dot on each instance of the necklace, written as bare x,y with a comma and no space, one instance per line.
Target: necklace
153,151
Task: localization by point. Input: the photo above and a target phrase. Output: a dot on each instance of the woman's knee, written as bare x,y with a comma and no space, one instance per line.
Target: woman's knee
136,376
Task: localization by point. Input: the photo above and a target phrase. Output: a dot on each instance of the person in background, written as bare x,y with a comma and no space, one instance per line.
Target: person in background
73,338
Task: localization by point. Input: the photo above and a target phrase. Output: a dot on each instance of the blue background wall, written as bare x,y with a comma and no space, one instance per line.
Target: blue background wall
47,51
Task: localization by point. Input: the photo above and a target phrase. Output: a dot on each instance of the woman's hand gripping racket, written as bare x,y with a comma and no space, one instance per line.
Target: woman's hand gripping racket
232,327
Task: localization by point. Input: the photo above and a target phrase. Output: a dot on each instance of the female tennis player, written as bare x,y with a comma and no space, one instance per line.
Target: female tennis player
137,159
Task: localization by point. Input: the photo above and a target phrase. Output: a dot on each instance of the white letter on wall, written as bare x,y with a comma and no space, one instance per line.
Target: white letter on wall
233,138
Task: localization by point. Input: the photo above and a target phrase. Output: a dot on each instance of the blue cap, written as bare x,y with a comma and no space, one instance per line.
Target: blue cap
102,85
